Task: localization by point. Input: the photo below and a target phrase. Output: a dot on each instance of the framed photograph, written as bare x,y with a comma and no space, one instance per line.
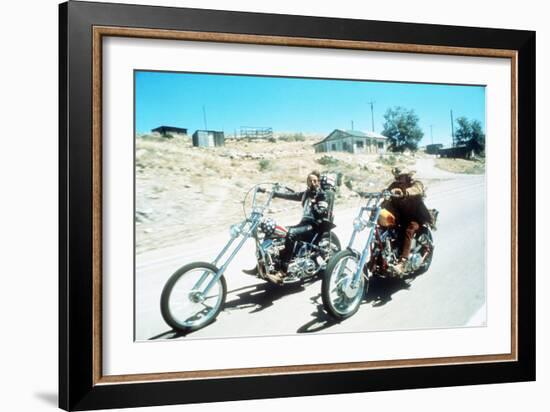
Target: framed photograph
256,206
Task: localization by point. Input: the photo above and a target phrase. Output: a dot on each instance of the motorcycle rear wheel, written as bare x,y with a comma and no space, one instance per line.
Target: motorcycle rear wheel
183,304
334,243
340,300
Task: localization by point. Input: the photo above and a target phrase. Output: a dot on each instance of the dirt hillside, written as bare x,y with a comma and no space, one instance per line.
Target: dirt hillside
183,191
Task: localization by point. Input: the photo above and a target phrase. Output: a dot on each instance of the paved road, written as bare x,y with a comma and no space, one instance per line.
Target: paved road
450,294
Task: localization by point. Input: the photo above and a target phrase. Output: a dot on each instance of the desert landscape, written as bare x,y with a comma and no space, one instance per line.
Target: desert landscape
185,192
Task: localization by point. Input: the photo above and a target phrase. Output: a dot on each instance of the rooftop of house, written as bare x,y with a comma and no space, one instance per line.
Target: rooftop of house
355,133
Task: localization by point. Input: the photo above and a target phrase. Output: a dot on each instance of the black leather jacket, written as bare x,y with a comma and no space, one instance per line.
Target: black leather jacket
318,205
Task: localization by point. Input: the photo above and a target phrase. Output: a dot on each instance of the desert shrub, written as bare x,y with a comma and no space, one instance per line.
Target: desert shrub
265,164
390,160
294,137
328,161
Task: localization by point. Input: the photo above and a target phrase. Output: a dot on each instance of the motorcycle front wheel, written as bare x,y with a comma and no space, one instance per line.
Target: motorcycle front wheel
341,299
184,305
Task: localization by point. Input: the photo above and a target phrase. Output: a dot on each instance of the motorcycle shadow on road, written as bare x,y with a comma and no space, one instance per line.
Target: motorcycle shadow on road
380,292
260,296
320,319
381,289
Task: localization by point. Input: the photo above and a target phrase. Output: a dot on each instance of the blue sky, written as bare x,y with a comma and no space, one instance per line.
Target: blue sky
296,104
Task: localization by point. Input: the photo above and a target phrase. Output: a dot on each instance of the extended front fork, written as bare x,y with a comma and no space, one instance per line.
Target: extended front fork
245,235
374,208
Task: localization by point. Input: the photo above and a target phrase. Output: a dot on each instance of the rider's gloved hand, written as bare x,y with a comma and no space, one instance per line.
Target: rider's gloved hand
261,190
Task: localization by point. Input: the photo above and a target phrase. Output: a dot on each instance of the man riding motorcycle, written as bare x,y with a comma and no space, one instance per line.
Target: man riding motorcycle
317,202
408,209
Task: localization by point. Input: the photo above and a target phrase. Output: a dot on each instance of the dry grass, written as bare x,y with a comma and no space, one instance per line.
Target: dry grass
186,191
461,165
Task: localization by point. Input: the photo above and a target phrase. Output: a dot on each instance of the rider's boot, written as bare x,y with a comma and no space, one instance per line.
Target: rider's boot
276,277
433,214
400,268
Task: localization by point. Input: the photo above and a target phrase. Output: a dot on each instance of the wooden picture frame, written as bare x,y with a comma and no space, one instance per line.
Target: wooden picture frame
83,26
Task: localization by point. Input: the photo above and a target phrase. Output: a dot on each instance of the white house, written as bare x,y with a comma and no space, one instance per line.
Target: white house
352,141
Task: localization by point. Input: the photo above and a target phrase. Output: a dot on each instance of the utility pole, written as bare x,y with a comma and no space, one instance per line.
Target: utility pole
352,125
452,128
372,113
204,117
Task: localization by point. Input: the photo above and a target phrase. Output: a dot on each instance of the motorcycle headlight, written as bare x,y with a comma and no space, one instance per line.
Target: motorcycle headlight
359,224
235,230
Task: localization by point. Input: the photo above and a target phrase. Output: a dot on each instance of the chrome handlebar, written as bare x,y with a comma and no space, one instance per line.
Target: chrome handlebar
386,194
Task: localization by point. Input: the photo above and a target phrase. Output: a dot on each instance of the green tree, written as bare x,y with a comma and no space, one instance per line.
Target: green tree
402,130
463,131
470,134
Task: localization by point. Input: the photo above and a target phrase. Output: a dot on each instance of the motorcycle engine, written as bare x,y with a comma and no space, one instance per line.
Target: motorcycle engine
389,251
273,246
302,267
416,258
271,249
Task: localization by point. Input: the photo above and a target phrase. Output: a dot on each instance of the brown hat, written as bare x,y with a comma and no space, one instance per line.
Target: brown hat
396,171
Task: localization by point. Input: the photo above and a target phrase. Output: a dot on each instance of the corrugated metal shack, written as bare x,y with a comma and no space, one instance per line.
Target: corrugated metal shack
352,141
208,138
169,131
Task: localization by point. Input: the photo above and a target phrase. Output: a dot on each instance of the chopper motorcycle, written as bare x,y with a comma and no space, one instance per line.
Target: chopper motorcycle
195,294
347,276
